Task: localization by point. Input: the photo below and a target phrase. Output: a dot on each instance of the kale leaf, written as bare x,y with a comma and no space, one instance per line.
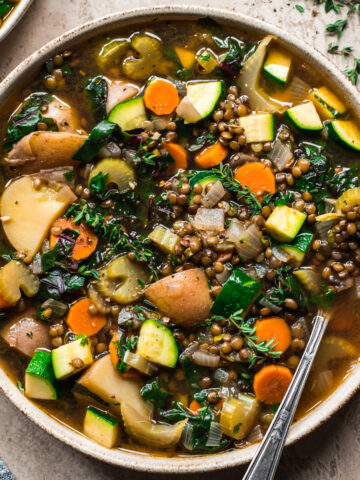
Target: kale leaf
97,91
152,392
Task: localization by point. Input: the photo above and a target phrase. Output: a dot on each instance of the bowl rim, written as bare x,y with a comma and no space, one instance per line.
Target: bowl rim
14,18
129,458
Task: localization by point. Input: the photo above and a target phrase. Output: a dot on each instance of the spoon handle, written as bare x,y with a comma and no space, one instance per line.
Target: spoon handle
266,459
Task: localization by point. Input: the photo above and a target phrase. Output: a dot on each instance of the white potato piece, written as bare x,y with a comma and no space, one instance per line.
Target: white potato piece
44,150
15,331
184,297
119,91
27,214
65,117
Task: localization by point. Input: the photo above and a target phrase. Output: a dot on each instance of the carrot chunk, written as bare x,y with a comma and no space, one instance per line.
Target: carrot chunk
179,155
270,383
194,407
161,97
80,320
85,243
211,156
257,177
276,329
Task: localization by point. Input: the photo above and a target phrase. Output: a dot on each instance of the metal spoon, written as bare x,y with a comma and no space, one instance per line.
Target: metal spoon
266,459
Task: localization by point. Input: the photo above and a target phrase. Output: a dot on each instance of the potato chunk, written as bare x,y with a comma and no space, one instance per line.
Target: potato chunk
65,117
43,150
184,297
27,214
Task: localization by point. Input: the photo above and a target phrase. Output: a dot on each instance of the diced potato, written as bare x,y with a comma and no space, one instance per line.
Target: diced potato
238,415
121,280
184,297
15,275
65,117
26,334
44,150
27,213
350,197
119,91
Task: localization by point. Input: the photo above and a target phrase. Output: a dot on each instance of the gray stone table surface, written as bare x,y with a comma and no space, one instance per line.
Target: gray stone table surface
332,451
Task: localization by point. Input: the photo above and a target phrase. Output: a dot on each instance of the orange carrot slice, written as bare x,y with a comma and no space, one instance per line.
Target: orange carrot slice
179,155
257,177
80,320
211,156
161,97
194,407
270,383
276,329
85,243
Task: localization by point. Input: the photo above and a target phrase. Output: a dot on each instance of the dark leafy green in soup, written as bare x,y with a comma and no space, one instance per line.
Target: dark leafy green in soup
6,8
177,204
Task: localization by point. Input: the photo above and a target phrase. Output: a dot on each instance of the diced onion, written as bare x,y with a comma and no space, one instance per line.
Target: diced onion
215,435
58,308
266,303
255,435
186,437
36,265
214,195
110,150
160,123
247,240
261,270
329,205
357,287
139,363
323,382
205,359
188,352
297,91
221,376
56,175
280,253
249,79
209,219
280,155
186,110
223,276
345,284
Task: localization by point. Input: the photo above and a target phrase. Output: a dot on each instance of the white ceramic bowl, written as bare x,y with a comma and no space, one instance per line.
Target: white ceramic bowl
14,18
18,77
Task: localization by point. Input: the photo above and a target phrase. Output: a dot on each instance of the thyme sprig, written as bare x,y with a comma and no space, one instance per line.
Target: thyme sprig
226,175
260,349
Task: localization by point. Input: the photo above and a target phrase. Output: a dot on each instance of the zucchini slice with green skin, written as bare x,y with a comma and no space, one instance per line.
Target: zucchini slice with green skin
305,117
284,223
101,427
258,127
157,344
327,104
277,65
62,358
40,381
129,114
239,292
298,248
203,96
346,133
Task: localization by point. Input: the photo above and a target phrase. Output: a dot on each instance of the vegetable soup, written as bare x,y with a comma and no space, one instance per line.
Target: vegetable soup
177,204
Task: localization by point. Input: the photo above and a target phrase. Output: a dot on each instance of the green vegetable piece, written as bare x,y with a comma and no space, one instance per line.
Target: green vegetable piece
116,171
157,344
305,117
298,248
99,136
40,382
129,114
164,239
346,133
63,358
101,427
238,415
111,52
97,91
258,127
277,64
284,223
239,293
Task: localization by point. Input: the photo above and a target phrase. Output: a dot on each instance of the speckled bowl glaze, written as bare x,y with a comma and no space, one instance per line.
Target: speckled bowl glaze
14,18
145,16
